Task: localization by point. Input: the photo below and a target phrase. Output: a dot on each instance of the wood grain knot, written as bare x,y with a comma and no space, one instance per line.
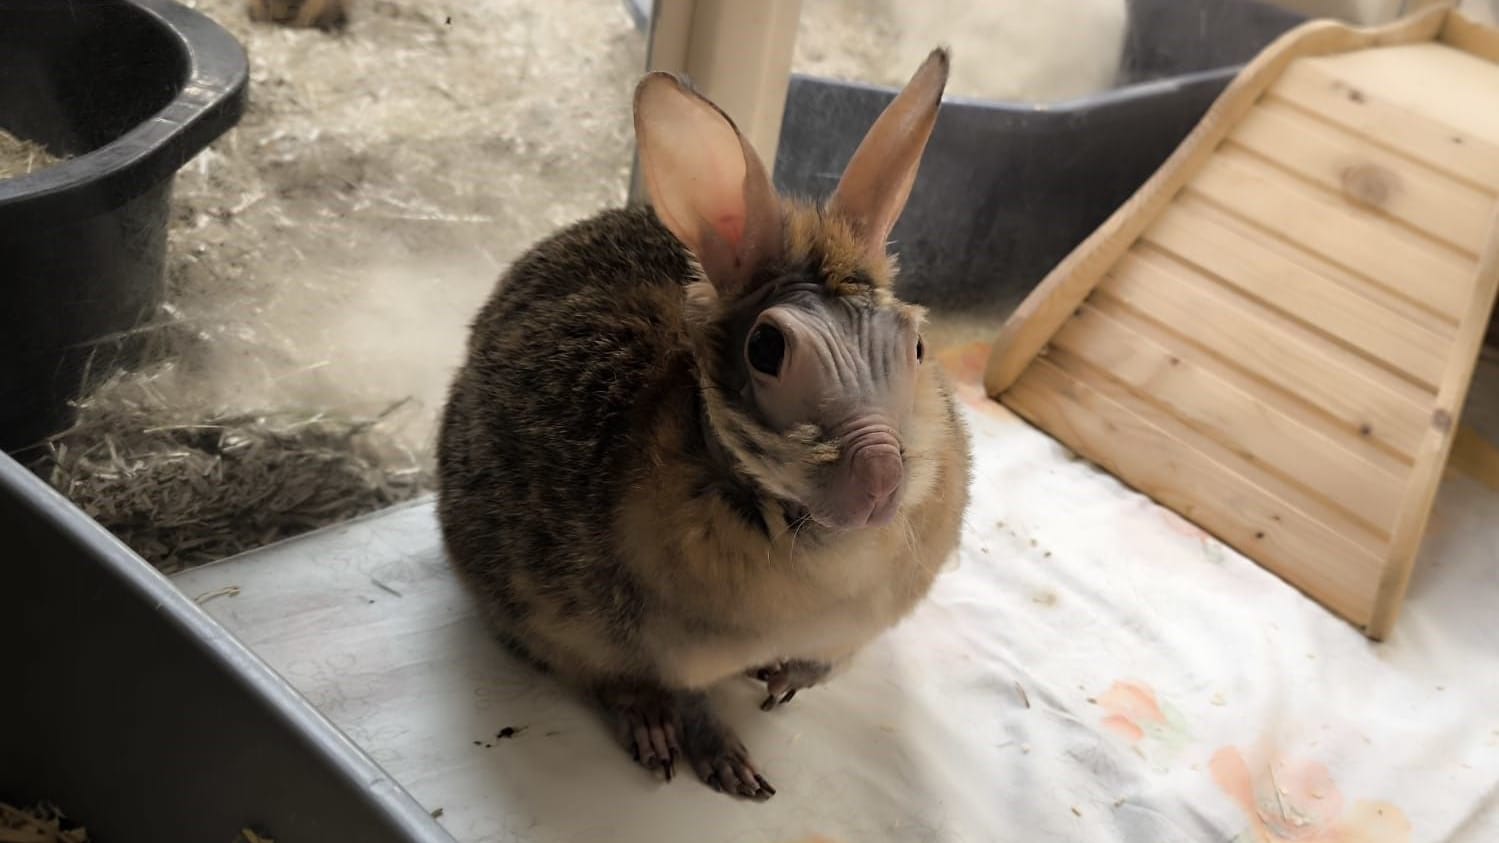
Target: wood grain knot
1441,420
1369,184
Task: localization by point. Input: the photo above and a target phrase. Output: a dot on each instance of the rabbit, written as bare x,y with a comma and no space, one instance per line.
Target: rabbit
699,439
323,14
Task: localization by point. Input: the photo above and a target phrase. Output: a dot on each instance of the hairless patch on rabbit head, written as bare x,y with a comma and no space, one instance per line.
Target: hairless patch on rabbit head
811,368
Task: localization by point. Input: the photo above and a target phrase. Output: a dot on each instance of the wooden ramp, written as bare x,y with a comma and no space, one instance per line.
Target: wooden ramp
1275,335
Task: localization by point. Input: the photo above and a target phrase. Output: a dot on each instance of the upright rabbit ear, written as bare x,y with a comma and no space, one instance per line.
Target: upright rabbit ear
878,180
706,183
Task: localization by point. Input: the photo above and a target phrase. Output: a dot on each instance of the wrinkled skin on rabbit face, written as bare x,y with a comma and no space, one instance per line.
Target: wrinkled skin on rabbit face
822,392
815,360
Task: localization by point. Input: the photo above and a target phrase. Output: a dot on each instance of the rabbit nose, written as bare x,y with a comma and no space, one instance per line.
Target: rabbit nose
877,471
865,489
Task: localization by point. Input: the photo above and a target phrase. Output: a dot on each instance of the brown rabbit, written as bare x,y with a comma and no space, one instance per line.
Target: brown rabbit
700,441
323,14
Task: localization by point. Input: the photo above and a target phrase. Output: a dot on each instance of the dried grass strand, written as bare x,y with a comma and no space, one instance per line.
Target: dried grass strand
39,823
182,489
23,157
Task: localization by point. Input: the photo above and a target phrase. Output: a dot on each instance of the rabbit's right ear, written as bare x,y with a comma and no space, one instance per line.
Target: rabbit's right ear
706,183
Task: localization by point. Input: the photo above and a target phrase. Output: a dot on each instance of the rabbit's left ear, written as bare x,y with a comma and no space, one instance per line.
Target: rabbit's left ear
878,180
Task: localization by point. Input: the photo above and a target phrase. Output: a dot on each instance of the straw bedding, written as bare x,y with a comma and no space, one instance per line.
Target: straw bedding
22,157
326,255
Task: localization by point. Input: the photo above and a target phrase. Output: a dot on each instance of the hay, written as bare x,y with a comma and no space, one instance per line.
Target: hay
41,823
22,157
1013,50
326,256
44,823
182,488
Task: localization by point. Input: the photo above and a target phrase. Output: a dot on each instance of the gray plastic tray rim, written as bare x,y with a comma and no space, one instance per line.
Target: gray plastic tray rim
134,575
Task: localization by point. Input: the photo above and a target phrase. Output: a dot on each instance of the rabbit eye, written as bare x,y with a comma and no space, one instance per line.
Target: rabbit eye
920,350
766,349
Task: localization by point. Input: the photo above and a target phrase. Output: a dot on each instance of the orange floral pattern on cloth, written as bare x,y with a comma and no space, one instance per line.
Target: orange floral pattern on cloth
1290,801
1137,717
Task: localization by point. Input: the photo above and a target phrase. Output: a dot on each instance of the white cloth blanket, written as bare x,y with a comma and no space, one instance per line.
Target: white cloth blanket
1092,668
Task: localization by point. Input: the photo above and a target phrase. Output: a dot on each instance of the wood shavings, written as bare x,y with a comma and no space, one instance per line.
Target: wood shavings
326,254
41,823
1070,49
22,157
183,490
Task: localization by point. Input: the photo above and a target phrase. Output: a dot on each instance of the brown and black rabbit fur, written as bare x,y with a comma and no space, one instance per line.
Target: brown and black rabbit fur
606,492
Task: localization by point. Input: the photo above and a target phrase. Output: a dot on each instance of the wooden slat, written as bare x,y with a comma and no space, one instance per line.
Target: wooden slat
1164,394
1235,418
1425,273
1337,446
1433,80
1305,288
1163,459
1315,90
1046,308
1368,175
1366,400
1431,459
1462,32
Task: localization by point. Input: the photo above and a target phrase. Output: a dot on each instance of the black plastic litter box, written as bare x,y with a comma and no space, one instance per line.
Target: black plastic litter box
1006,190
143,719
128,91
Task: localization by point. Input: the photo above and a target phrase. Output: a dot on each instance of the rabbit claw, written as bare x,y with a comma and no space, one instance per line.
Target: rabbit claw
783,679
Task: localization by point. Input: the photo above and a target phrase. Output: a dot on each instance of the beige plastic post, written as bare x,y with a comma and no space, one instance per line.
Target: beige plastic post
737,53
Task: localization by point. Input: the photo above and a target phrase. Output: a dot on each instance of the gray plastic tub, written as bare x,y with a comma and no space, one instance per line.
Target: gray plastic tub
129,91
1006,190
144,719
